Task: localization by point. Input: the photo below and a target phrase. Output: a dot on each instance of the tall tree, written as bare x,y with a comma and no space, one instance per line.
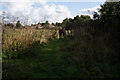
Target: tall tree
110,13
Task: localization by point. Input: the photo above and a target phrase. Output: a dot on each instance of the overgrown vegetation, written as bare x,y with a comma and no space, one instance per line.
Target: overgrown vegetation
18,24
90,51
95,43
15,39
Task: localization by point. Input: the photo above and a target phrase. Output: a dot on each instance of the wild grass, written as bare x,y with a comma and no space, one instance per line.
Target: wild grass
15,39
92,54
49,62
81,55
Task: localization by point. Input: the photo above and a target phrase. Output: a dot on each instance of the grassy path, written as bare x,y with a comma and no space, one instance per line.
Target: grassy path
49,62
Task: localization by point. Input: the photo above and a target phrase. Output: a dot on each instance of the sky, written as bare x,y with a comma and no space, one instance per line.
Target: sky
34,11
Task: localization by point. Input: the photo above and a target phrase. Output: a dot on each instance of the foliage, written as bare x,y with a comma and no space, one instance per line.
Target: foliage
110,12
48,61
46,24
76,22
58,24
109,26
17,39
18,24
39,23
95,43
92,51
96,16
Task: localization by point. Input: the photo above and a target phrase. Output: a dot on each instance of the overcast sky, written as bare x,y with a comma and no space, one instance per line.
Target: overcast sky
33,11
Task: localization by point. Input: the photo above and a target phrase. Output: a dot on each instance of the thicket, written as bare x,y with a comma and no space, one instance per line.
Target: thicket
95,44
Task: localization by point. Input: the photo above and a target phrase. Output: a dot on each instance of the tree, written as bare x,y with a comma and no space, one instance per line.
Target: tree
67,23
39,23
109,28
53,24
47,24
96,16
58,24
110,13
77,22
85,17
18,24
